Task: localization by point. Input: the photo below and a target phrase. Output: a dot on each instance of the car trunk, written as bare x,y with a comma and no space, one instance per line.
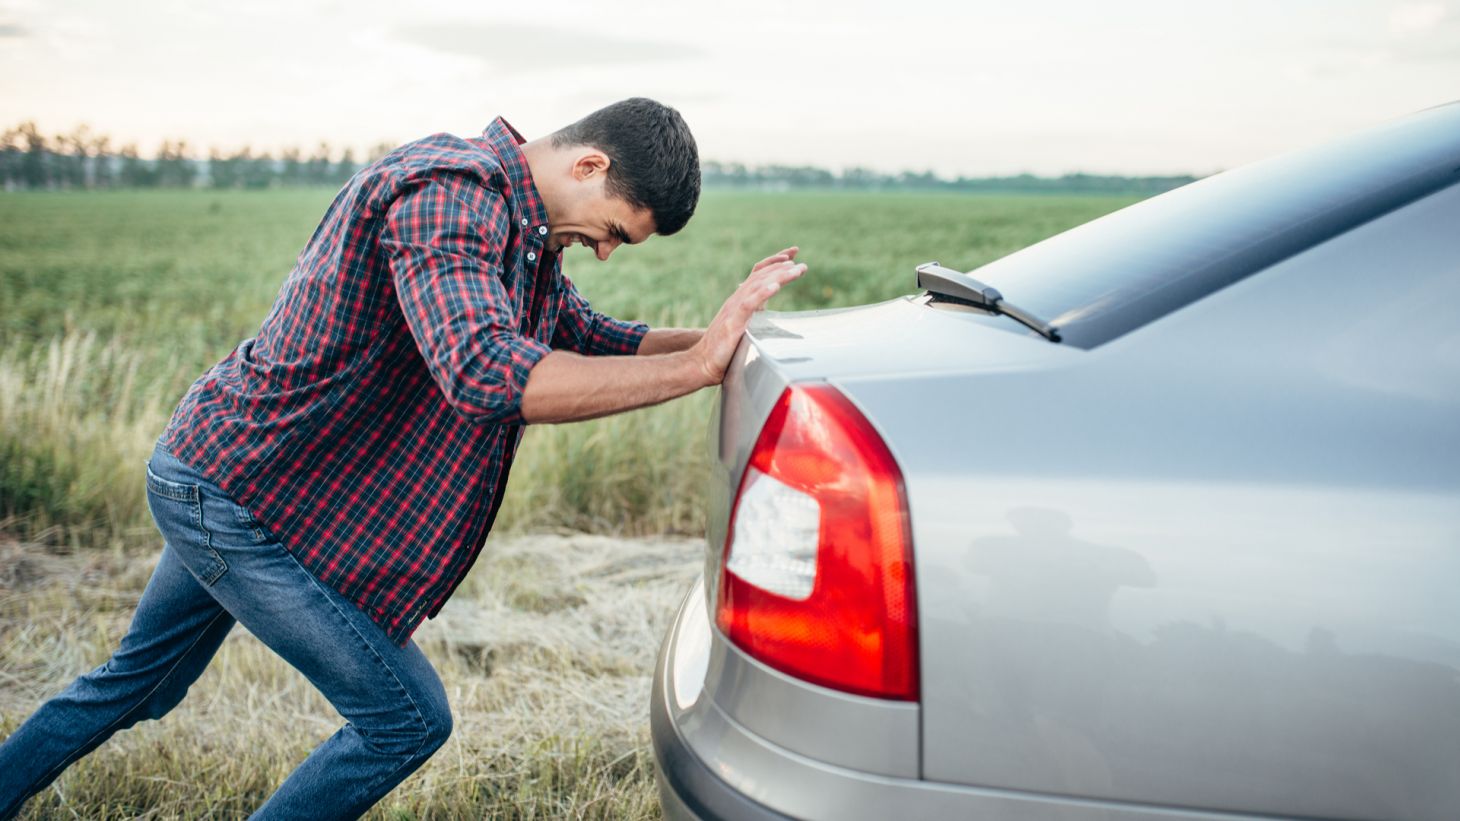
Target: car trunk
1149,575
904,338
1118,602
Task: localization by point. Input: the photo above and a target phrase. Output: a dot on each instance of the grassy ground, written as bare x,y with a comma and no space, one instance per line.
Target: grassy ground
546,652
114,302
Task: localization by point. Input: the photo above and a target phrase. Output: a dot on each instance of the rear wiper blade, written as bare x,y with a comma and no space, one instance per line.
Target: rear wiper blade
960,287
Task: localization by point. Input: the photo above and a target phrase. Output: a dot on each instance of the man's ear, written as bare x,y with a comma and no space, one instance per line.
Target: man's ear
590,163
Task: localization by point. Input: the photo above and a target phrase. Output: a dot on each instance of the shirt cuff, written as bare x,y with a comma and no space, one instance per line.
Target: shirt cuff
518,355
615,337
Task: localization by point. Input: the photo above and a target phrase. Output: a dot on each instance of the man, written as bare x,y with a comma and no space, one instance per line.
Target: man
330,482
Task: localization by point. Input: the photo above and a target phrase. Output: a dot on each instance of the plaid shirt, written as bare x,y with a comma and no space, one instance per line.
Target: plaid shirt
371,424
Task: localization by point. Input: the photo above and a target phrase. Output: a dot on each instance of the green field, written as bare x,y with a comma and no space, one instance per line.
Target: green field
111,303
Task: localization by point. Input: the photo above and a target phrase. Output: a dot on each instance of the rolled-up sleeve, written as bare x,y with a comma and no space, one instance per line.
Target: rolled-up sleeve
583,330
445,242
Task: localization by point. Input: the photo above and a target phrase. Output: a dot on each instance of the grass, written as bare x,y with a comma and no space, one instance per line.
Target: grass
113,302
545,651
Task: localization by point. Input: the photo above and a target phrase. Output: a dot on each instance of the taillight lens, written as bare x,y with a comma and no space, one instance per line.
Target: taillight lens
817,575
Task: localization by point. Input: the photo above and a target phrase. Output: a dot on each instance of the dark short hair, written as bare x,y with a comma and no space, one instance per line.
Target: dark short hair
653,160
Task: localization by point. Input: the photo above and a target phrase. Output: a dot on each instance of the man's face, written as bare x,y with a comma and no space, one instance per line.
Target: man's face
594,218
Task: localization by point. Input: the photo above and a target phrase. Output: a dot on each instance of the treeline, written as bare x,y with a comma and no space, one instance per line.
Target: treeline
783,177
30,160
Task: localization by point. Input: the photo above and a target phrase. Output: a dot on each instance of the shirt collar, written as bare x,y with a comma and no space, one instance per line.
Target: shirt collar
504,140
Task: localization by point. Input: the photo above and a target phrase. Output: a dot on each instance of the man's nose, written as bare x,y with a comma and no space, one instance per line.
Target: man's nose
604,249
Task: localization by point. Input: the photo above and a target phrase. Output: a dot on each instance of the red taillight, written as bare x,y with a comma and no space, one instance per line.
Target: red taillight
816,579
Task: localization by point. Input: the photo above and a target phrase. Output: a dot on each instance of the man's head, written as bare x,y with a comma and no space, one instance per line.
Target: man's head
624,172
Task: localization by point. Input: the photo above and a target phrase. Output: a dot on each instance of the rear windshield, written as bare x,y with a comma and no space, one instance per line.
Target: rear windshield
1115,274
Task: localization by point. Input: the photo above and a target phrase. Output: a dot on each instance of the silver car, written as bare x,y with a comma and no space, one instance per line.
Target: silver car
1156,519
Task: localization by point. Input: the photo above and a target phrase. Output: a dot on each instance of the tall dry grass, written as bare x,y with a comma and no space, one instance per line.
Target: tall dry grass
76,424
546,652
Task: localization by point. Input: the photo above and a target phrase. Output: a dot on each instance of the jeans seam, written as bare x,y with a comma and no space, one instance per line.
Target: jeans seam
67,761
190,492
420,716
220,566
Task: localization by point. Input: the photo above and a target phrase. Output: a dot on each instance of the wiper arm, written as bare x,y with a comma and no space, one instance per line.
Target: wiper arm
960,287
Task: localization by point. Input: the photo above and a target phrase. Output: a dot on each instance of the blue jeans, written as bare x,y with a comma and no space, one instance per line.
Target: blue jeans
218,566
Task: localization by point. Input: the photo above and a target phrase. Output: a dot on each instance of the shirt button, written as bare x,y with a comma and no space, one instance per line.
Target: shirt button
542,229
531,256
524,222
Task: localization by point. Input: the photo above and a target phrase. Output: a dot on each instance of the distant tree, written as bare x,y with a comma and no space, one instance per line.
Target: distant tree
718,173
35,169
379,150
173,167
220,169
291,167
258,171
319,165
162,166
187,167
241,162
345,169
861,178
102,175
28,160
926,179
135,172
808,177
72,157
12,155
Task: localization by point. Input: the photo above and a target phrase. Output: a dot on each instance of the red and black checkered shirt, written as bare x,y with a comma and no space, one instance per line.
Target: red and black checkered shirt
371,424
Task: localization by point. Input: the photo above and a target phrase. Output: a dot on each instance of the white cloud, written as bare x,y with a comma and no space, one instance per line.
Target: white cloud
516,47
961,86
1411,18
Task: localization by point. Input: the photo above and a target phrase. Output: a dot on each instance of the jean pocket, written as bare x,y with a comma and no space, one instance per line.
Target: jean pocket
177,508
168,489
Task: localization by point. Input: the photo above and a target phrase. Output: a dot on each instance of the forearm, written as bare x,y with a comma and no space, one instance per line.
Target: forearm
565,387
669,340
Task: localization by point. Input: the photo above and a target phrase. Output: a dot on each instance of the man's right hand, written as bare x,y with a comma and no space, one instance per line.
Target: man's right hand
715,348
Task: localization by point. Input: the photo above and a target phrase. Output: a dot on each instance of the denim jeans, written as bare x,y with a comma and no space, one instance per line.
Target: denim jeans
218,566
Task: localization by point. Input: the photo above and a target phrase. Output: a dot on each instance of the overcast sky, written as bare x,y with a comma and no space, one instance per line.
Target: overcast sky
971,87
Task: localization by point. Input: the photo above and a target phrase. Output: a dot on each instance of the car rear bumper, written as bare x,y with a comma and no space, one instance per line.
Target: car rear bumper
710,767
688,789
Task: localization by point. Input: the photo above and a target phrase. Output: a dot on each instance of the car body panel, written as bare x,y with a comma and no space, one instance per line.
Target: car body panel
1226,584
712,768
866,734
902,337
